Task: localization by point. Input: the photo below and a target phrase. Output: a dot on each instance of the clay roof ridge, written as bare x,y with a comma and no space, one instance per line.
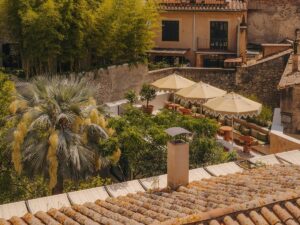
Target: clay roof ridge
218,213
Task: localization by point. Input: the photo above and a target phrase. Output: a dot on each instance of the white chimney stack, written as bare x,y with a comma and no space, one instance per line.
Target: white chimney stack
178,164
178,158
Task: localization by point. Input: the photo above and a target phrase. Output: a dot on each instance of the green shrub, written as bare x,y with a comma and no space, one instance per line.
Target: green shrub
131,96
7,90
147,93
158,65
265,117
143,140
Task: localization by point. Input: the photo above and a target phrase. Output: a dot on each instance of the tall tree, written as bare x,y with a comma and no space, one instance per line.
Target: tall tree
75,19
74,35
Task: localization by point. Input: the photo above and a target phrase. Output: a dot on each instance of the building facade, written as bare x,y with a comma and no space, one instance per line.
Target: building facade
289,87
202,32
273,21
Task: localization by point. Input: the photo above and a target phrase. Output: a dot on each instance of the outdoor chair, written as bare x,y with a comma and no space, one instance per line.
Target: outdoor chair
185,111
167,105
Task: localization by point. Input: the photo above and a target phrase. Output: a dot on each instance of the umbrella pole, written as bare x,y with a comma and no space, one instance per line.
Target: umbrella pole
232,133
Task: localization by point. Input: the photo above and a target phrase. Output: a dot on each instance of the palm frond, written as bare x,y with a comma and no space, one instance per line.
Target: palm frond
95,129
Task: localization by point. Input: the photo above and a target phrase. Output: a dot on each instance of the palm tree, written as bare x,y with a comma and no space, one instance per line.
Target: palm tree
59,129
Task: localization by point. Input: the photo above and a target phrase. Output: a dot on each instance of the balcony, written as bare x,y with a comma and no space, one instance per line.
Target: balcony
215,44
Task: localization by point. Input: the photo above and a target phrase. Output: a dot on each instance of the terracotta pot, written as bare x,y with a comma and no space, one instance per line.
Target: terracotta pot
148,110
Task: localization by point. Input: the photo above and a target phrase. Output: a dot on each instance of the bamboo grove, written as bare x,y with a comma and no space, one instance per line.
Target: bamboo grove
58,36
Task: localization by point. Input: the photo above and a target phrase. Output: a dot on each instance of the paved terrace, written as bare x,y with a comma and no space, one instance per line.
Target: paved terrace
227,193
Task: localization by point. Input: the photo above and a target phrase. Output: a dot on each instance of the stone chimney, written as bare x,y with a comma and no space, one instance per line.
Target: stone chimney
178,158
295,58
296,55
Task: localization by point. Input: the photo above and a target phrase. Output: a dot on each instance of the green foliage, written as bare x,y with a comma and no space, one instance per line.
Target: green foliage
143,141
147,93
7,90
91,182
108,146
201,127
59,130
17,188
131,96
265,117
59,36
206,151
158,65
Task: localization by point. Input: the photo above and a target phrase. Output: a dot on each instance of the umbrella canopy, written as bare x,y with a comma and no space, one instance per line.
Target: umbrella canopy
232,105
172,83
200,92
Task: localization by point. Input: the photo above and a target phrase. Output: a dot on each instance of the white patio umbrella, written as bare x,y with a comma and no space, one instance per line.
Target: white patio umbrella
232,106
199,93
172,83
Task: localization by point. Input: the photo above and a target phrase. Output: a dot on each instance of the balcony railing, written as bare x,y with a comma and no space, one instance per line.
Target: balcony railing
220,44
216,44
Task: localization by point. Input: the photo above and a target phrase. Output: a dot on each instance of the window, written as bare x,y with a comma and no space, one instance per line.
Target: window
170,30
11,55
219,35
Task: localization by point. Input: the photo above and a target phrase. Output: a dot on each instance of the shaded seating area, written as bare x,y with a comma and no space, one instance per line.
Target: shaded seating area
185,108
245,134
233,107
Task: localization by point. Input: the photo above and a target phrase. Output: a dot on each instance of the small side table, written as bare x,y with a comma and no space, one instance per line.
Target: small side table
227,132
248,140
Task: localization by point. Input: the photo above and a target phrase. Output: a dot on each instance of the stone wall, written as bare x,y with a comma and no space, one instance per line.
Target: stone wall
272,21
290,110
260,79
222,78
113,82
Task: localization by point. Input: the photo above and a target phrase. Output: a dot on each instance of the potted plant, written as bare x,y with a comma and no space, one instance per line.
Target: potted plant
131,97
147,94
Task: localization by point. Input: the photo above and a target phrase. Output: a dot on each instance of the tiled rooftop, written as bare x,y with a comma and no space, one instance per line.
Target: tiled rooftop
220,194
203,5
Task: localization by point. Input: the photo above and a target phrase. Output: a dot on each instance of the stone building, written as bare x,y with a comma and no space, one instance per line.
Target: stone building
272,21
204,32
289,87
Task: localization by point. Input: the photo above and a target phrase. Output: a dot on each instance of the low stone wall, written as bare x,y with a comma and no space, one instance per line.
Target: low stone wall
113,82
280,142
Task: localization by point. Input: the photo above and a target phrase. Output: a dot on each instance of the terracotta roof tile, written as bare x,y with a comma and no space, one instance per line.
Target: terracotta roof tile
205,5
260,196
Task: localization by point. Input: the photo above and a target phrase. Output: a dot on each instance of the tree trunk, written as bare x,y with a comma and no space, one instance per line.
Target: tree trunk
59,188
